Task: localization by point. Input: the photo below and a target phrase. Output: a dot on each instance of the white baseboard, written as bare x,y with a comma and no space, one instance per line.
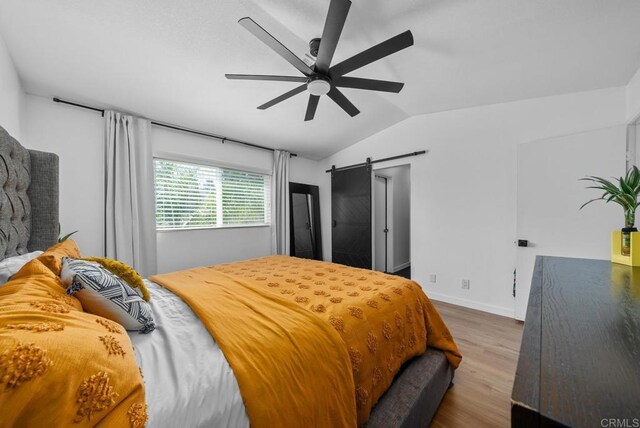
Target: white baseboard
498,310
401,266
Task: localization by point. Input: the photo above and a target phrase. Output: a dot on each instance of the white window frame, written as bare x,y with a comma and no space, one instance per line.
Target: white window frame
181,158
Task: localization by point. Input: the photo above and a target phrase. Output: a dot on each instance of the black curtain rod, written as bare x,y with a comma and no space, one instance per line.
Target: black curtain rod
370,162
177,128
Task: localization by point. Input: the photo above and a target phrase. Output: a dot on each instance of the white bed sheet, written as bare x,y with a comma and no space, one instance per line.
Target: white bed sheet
188,381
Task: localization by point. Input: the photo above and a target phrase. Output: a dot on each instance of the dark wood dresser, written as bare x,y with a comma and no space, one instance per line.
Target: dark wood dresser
579,361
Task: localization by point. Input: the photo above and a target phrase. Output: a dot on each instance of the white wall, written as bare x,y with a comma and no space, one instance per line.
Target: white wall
633,97
77,136
304,171
633,117
550,194
633,143
463,192
11,95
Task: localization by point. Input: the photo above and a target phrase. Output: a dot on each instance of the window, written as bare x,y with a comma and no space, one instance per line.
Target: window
190,196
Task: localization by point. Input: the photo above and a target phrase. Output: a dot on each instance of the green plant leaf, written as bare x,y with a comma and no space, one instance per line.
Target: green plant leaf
588,202
624,186
633,179
622,191
67,236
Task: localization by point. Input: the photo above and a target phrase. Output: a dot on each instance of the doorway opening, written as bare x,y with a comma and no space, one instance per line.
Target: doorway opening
391,220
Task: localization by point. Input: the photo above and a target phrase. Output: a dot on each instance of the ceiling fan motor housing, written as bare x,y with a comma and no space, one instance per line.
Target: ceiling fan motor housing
318,84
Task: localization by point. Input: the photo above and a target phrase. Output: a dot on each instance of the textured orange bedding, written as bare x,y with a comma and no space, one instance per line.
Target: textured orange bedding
311,343
60,366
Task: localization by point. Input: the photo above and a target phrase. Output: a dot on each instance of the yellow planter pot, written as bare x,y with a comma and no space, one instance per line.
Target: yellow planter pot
616,249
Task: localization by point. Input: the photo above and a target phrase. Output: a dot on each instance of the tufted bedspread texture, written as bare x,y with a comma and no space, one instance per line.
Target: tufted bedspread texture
311,343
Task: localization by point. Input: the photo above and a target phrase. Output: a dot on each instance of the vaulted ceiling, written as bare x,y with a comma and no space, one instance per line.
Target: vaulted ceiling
166,59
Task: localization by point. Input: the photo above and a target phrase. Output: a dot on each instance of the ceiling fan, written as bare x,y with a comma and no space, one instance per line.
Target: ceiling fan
322,78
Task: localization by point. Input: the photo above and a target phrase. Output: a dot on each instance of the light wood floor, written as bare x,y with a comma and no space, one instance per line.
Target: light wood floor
481,393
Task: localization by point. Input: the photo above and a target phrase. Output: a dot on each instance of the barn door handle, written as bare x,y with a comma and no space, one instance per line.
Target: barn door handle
334,223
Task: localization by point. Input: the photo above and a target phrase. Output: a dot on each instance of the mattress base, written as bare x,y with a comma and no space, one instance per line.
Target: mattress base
414,396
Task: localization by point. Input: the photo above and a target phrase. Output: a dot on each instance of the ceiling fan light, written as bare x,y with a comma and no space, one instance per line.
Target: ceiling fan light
318,87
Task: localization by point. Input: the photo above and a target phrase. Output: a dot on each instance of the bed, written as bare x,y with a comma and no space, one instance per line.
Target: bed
188,379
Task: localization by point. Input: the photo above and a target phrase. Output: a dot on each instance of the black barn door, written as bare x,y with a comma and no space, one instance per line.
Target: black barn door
351,217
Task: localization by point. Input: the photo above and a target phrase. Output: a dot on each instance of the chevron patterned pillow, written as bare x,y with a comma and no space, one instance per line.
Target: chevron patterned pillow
105,294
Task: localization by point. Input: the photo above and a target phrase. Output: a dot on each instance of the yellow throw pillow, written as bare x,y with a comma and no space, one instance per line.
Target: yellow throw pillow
52,258
125,272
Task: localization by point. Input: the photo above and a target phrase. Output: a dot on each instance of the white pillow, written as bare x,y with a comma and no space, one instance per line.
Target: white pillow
107,295
11,265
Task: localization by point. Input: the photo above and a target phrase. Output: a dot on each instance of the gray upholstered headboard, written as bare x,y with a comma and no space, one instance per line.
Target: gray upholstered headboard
29,215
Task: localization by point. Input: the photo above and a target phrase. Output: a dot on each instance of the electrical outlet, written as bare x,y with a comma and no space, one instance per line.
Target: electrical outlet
465,284
432,278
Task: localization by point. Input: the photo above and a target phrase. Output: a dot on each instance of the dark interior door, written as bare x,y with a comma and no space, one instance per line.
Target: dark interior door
351,217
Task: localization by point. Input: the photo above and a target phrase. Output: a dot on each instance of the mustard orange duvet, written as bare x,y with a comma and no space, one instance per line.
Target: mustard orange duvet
311,343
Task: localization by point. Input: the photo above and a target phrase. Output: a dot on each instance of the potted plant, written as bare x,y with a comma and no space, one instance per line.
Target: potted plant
623,191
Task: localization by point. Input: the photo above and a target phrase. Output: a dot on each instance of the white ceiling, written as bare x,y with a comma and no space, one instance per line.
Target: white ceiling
166,59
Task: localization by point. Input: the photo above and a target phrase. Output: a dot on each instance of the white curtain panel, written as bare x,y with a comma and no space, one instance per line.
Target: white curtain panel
130,225
280,198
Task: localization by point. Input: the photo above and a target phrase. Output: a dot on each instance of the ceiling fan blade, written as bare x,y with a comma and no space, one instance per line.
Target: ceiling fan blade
369,84
311,107
336,17
266,77
274,44
339,98
283,97
381,50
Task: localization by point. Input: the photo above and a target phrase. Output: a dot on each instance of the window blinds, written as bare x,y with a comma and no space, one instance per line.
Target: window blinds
191,196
